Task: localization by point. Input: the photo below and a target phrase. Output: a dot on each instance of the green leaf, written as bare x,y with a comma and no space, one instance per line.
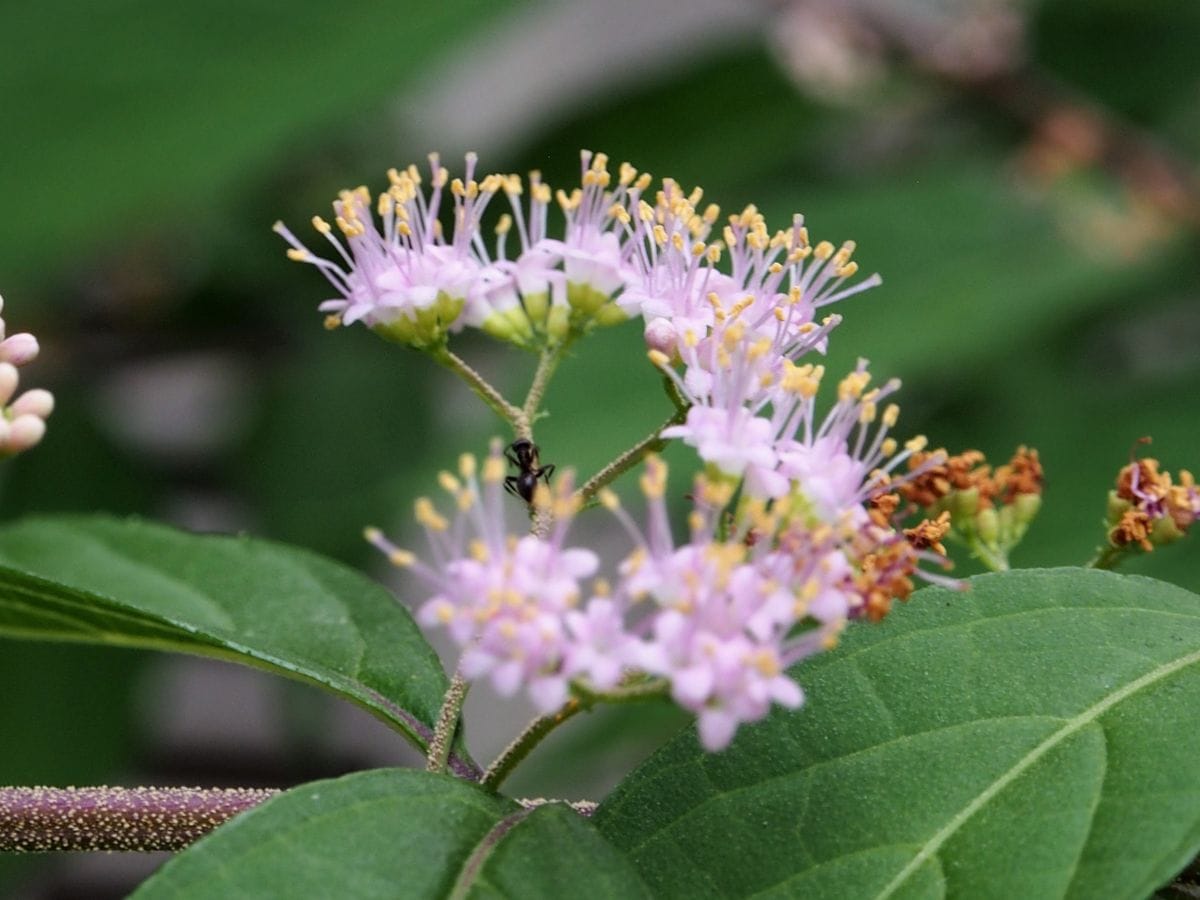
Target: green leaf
398,833
1032,737
136,584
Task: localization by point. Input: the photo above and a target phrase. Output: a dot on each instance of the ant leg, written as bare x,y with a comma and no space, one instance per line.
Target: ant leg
510,485
545,472
512,459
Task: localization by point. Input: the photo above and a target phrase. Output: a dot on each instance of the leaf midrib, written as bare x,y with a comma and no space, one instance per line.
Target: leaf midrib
1089,715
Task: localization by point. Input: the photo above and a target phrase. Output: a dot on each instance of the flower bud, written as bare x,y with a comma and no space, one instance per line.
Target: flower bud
987,526
19,349
660,335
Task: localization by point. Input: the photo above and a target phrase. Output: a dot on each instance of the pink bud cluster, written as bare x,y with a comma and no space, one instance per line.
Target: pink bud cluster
22,416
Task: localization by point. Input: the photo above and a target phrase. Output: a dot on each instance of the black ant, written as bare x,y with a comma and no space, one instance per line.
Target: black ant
523,453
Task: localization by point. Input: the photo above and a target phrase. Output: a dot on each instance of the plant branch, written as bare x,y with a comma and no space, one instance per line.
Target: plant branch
548,361
480,385
45,819
651,443
536,730
447,724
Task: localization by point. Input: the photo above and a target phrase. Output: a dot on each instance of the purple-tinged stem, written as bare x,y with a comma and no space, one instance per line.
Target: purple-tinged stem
45,819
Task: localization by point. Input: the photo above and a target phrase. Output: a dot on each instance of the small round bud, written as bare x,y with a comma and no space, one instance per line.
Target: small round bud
37,402
660,335
26,432
19,349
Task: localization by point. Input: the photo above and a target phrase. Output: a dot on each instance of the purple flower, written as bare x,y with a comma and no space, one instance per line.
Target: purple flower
504,600
402,277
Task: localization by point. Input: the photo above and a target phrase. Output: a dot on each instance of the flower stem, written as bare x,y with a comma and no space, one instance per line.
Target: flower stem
447,724
548,361
994,559
536,730
651,443
480,385
43,819
1106,557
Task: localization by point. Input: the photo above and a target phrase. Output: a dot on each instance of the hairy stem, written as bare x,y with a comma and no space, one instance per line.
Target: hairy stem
536,730
548,361
651,443
44,819
447,724
481,386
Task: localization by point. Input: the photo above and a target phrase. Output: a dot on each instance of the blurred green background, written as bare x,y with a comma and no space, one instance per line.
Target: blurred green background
1021,173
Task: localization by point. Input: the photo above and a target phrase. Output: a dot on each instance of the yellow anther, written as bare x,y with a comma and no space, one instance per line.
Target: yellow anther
332,321
823,250
449,483
695,522
627,174
852,386
714,253
888,447
654,479
493,469
321,225
566,506
890,415
401,559
714,493
677,241
711,213
660,235
690,338
916,444
466,465
608,499
847,270
645,211
601,587
867,412
478,550
658,358
542,498
775,268
296,255
505,224
428,516
758,349
404,230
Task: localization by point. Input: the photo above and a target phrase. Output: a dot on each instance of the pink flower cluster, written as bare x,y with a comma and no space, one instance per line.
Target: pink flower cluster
620,255
718,618
23,419
794,528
